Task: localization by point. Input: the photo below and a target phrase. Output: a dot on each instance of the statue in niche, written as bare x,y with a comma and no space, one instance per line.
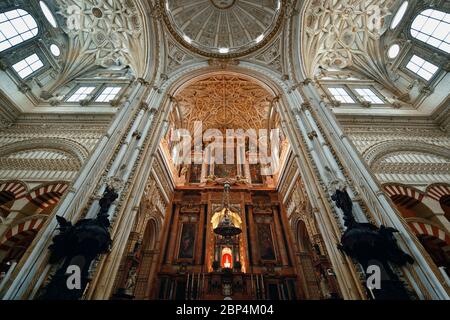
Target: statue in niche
131,281
324,287
241,180
183,171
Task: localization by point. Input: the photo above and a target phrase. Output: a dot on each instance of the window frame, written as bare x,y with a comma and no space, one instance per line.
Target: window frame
103,87
72,92
346,88
418,41
414,75
373,89
35,72
28,41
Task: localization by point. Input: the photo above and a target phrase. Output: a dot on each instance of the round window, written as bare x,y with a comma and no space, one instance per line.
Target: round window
54,49
393,51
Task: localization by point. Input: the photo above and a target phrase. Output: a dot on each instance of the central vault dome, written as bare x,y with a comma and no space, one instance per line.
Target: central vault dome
223,28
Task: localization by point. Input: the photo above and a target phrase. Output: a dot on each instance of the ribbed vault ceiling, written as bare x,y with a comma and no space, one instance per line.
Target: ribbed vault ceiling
223,27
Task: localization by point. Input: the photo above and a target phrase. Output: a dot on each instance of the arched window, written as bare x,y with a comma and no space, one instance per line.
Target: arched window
16,26
433,27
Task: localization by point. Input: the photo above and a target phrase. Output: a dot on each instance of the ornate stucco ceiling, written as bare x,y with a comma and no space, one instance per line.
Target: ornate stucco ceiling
224,101
337,32
340,34
223,28
106,28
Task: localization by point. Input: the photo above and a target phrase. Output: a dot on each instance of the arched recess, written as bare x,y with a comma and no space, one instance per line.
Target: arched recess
148,259
318,285
378,151
302,237
10,191
408,201
419,216
44,198
435,241
270,81
17,239
441,192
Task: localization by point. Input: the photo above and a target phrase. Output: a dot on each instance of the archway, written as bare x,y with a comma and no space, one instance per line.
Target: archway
10,191
43,199
303,240
17,240
445,204
421,220
408,201
147,260
223,105
441,192
438,250
435,241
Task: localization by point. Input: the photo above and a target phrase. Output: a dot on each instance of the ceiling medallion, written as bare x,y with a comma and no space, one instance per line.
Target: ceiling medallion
223,29
97,12
223,4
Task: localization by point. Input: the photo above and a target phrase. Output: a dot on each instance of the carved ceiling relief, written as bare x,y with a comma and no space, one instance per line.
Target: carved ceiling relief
102,33
176,57
224,102
272,56
342,34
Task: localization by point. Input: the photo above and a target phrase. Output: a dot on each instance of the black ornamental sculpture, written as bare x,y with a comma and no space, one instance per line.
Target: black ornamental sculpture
373,246
74,248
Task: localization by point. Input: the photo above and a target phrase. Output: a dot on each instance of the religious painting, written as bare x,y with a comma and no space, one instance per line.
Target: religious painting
187,241
255,173
196,173
265,241
225,170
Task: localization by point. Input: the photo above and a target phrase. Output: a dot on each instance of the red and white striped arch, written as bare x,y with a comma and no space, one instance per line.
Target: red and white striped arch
47,195
437,191
420,228
401,190
17,188
19,231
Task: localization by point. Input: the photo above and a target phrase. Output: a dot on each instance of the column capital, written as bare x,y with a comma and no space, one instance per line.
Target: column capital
143,82
306,105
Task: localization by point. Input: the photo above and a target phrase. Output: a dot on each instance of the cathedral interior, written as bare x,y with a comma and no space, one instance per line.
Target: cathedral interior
224,149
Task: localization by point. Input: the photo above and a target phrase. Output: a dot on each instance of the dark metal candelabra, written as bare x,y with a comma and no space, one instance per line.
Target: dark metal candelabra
76,246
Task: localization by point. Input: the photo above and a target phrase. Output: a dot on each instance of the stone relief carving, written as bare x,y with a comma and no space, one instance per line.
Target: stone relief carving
224,101
272,56
102,33
346,34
